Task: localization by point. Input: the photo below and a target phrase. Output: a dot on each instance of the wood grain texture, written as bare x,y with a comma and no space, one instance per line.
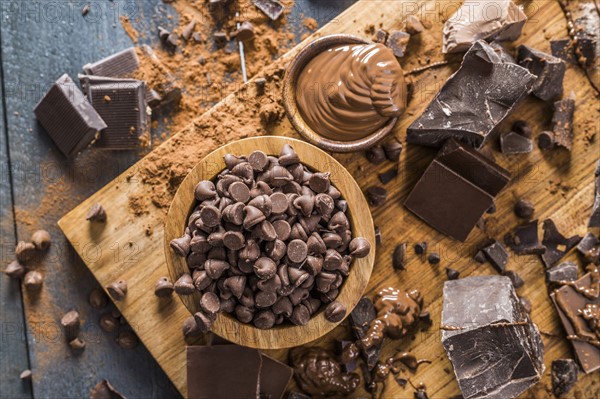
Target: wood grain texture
559,183
284,336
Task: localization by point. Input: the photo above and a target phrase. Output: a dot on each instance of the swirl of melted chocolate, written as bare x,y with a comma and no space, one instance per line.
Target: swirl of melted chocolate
320,375
348,92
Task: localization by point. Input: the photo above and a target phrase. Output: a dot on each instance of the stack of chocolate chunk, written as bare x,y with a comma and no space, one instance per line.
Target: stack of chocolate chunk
113,109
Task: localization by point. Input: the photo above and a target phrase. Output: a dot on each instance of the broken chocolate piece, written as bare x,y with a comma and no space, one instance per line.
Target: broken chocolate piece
397,41
380,36
473,21
566,271
271,8
562,122
562,49
496,350
496,254
465,108
577,305
398,256
514,143
524,240
116,65
104,390
125,113
274,377
413,25
595,216
515,279
457,188
222,371
388,175
556,244
502,52
589,248
70,120
549,70
360,319
564,376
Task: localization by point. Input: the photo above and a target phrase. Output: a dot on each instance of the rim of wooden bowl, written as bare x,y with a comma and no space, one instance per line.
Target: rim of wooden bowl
291,108
288,335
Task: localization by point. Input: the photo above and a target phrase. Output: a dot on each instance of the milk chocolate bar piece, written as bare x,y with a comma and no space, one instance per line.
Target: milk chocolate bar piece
595,216
472,101
274,377
473,21
556,244
562,122
579,319
457,188
495,349
68,117
222,372
271,8
566,271
122,104
549,70
120,64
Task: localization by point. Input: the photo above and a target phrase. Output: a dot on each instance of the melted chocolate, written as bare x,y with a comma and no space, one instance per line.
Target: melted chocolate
320,375
397,312
348,92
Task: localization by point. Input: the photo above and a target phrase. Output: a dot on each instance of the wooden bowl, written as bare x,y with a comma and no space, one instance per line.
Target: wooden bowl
289,98
286,335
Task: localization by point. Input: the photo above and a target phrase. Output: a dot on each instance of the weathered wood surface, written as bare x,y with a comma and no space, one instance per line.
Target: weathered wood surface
535,175
40,41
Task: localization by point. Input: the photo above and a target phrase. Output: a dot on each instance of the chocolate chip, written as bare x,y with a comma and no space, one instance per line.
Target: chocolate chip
265,299
388,175
377,195
96,214
214,268
244,314
375,155
24,251
335,312
210,303
25,375
398,256
70,323
420,248
108,322
41,240
288,156
181,245
15,270
98,299
433,258
117,290
546,140
234,240
163,287
479,257
258,160
359,247
184,285
319,182
279,203
127,339
264,319
452,274
392,150
297,250
265,268
205,190
77,344
300,315
524,208
210,216
33,280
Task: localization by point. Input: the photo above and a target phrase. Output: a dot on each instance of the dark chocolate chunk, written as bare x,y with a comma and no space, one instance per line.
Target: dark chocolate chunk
452,274
515,279
457,188
375,155
566,271
564,376
465,108
70,120
96,213
556,244
577,305
562,49
397,42
120,64
222,371
589,249
479,257
388,175
271,8
524,240
274,377
398,257
360,319
125,113
514,143
562,122
549,70
595,216
433,258
376,195
489,338
497,255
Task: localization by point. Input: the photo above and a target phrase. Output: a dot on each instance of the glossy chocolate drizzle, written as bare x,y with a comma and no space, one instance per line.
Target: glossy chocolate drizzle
348,92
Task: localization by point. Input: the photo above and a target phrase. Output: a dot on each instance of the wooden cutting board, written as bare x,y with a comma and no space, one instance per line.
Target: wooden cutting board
559,183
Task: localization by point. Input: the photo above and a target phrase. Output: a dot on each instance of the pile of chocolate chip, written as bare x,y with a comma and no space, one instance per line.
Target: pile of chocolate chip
269,242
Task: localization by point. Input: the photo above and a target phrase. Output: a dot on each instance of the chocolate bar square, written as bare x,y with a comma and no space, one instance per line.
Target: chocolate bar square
68,117
123,63
457,188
